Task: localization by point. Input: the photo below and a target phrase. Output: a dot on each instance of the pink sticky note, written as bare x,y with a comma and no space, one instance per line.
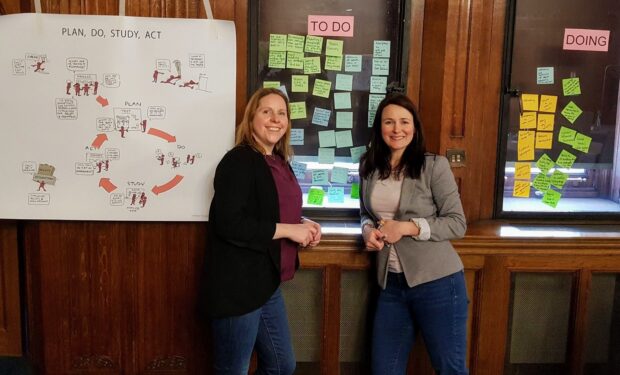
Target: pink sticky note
586,40
331,25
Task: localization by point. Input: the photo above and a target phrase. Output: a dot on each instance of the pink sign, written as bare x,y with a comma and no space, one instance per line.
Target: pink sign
331,25
586,40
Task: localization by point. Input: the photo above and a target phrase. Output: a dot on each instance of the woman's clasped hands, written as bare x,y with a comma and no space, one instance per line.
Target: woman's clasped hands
386,233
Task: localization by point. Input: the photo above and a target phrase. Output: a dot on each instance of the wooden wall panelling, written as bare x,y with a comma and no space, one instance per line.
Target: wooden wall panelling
10,320
579,318
416,33
330,350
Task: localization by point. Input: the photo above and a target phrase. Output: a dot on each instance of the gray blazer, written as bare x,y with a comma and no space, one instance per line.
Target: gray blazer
434,197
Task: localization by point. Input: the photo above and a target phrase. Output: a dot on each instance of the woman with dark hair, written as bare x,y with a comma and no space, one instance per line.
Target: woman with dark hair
255,228
410,209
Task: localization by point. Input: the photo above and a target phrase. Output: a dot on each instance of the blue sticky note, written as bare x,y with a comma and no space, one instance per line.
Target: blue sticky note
327,138
374,100
380,67
327,156
335,194
344,139
297,137
342,100
357,152
319,177
381,48
378,84
344,120
340,175
321,116
544,75
344,82
352,63
371,117
299,169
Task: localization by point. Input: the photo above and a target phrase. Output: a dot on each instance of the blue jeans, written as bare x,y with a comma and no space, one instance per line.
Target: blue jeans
264,329
437,309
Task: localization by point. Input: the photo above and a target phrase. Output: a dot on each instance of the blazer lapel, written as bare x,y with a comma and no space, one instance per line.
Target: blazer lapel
406,191
368,187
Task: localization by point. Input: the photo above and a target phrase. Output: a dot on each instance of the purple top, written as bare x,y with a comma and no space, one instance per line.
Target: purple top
289,199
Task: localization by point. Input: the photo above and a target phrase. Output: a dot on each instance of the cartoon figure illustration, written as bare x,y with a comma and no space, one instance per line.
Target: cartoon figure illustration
39,66
155,75
143,125
68,87
161,157
175,162
190,159
106,165
122,130
171,79
41,185
189,84
76,87
96,87
99,164
133,199
86,88
142,199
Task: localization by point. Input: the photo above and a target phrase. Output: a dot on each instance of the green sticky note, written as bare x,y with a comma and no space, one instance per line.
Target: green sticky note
571,112
295,60
551,198
342,100
335,194
344,120
344,82
321,88
571,86
374,100
295,43
299,83
545,163
314,44
271,84
541,182
319,177
558,179
380,67
344,139
315,196
327,138
371,117
582,142
356,153
277,59
355,190
333,47
298,110
352,63
277,42
340,175
566,135
326,156
378,84
312,65
381,48
333,63
565,159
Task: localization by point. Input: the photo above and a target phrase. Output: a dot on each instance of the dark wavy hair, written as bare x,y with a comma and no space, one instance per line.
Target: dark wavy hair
377,157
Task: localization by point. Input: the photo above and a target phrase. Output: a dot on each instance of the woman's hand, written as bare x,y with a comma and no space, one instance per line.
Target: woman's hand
316,238
302,234
394,230
373,238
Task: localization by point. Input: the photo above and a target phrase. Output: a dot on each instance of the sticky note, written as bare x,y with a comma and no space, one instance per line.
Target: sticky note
344,139
545,163
277,59
374,100
333,47
271,84
297,137
558,179
321,88
548,103
299,169
582,142
544,140
544,75
335,194
523,171
315,196
344,120
371,117
529,102
277,42
344,82
319,177
299,83
342,100
381,48
380,67
327,138
314,44
571,86
551,198
312,65
352,63
298,110
566,135
525,145
356,153
521,189
340,175
295,60
321,116
566,159
541,182
527,120
571,112
327,155
355,190
333,63
378,84
295,43
546,122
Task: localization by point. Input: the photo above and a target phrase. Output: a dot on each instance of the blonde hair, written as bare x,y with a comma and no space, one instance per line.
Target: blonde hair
244,135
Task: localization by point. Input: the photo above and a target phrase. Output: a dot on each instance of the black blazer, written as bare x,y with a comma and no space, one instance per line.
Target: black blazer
243,261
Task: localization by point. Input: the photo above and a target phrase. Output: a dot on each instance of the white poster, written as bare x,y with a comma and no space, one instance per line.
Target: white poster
113,118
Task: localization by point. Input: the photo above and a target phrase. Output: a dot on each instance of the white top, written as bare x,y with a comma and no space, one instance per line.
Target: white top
385,199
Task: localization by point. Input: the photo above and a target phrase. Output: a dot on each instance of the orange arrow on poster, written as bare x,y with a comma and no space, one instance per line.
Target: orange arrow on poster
107,185
162,134
167,186
99,140
103,101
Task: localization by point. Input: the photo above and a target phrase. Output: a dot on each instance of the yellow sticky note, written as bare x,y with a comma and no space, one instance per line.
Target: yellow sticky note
525,145
545,122
521,189
523,170
544,140
527,120
298,110
299,83
548,103
530,102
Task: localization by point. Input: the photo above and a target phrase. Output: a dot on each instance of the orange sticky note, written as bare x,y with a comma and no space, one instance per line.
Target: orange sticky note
544,140
545,122
523,170
530,102
527,120
525,145
521,189
548,103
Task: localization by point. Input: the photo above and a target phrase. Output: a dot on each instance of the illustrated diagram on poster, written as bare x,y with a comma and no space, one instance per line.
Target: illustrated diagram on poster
113,118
